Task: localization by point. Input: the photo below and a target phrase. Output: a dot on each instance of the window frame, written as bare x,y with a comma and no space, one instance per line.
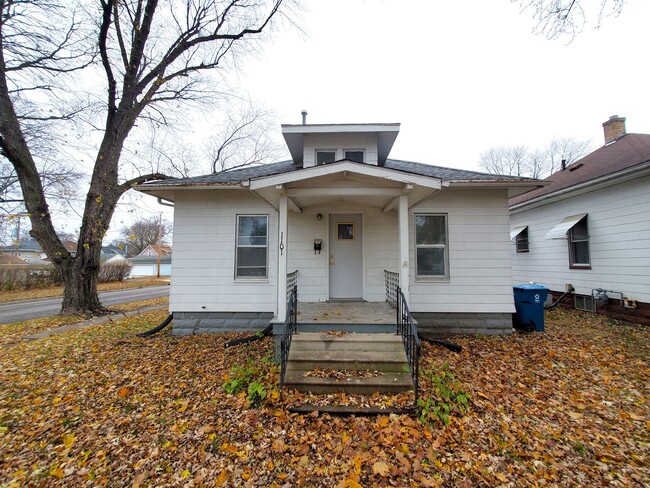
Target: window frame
362,151
324,151
572,240
257,246
520,239
444,247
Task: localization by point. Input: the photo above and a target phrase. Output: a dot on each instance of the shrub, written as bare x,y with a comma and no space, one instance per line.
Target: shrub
28,276
114,271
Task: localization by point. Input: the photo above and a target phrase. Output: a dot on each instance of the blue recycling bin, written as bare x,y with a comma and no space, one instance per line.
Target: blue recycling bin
529,303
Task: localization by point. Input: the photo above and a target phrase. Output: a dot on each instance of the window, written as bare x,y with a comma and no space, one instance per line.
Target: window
323,157
578,237
251,259
354,155
521,241
431,246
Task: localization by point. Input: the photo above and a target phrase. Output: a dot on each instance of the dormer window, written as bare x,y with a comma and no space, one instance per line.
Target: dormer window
354,155
325,156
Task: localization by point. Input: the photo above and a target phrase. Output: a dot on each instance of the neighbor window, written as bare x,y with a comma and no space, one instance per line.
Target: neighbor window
323,157
578,237
521,241
431,246
354,155
251,259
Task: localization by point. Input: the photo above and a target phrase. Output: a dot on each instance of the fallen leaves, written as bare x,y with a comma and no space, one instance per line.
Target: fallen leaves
95,407
343,375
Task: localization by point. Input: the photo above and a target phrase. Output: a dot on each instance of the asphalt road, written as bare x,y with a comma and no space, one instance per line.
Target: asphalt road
44,307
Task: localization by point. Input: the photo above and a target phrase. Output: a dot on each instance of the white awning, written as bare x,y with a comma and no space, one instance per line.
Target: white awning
561,229
516,231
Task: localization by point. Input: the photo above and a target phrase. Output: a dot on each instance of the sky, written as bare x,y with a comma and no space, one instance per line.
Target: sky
460,77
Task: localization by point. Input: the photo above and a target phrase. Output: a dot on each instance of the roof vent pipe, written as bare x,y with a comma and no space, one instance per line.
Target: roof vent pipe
563,164
304,117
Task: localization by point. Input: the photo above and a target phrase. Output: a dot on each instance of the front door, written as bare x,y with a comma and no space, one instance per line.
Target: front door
346,266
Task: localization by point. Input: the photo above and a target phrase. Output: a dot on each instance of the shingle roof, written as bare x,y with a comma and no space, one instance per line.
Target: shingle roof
236,176
626,152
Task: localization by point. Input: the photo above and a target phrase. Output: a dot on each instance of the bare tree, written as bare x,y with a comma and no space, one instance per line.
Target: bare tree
144,232
537,163
555,18
567,149
244,139
505,160
152,59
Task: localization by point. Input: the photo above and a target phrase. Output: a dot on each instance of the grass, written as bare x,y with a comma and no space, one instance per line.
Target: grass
57,291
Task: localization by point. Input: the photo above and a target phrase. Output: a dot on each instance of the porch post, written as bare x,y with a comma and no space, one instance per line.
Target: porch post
403,224
282,258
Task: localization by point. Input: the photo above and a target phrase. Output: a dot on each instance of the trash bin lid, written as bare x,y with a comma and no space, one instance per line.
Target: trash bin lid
530,287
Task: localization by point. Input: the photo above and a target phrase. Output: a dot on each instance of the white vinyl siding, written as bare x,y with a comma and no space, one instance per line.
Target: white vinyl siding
619,232
204,254
480,279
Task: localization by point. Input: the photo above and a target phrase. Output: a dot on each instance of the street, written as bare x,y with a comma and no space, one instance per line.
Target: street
43,307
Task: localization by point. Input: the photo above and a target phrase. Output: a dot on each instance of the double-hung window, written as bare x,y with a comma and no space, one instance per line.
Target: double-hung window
431,246
252,245
578,237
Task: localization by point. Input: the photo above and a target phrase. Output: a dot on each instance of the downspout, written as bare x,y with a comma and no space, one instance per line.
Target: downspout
166,203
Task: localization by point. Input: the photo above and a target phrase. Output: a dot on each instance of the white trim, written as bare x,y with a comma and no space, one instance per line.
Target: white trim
404,264
283,239
516,231
336,192
334,128
561,229
339,167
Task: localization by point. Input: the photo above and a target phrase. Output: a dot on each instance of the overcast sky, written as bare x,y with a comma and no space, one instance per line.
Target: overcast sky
460,76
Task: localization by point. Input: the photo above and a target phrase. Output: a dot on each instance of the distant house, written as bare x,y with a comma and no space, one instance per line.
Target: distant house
156,250
347,223
11,260
110,251
148,266
27,249
590,227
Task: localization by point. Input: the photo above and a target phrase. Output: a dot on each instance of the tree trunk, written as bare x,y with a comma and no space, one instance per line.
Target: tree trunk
80,287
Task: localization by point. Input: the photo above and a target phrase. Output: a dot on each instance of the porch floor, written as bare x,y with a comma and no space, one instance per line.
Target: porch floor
366,313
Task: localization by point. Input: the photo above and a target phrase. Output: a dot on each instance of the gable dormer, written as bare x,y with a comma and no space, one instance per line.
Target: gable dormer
316,144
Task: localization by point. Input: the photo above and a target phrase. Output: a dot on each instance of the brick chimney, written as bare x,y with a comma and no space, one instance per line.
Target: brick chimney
614,128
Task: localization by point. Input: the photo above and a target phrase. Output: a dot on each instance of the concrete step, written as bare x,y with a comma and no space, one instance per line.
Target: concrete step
348,360
322,341
386,383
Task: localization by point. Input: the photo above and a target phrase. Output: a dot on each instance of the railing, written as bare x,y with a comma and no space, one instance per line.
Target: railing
406,328
290,326
292,280
392,284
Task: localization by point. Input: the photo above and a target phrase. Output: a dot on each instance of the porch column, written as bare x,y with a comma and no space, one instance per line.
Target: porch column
282,258
404,266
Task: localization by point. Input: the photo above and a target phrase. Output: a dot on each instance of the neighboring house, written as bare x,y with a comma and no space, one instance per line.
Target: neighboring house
111,251
156,250
341,213
590,227
148,266
27,249
8,259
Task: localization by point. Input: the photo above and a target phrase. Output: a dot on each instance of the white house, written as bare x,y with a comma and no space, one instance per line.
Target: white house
344,216
590,227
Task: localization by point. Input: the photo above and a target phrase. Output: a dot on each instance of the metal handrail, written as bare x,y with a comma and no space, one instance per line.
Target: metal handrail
290,326
391,280
406,328
292,280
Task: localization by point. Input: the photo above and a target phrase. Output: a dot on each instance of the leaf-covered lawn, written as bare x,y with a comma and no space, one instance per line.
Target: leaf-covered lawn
17,331
100,407
57,291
